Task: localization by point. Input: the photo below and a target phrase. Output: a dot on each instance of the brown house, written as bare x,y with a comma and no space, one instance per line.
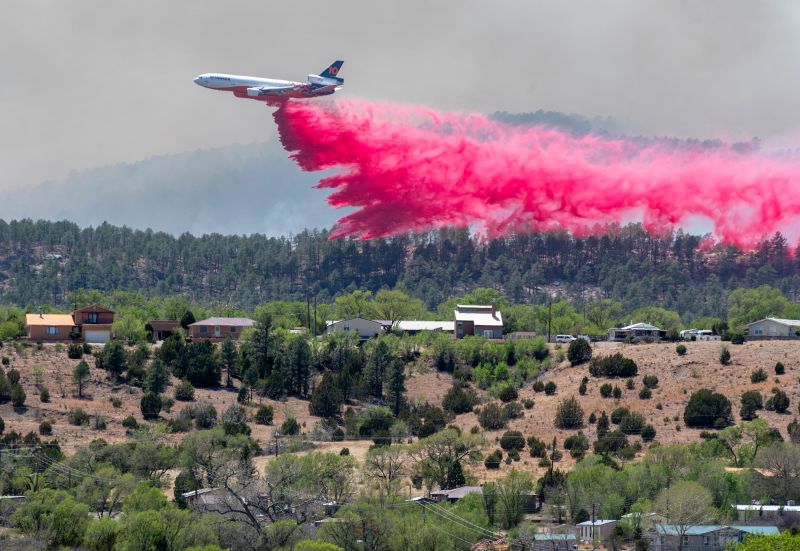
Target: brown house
217,329
92,324
162,329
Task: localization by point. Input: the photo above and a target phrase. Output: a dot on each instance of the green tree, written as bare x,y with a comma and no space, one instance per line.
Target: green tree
157,377
113,359
230,359
18,396
660,317
377,365
396,385
150,405
579,351
395,305
326,400
569,414
79,374
746,305
685,505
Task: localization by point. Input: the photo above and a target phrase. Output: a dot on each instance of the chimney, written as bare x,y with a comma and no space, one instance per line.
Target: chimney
494,310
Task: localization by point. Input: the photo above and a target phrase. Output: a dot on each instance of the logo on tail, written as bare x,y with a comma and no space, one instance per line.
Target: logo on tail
333,70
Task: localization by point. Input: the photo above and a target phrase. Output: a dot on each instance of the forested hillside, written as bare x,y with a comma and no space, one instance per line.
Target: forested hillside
41,262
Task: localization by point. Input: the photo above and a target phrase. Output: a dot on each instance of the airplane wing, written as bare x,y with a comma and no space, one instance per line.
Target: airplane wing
263,90
325,89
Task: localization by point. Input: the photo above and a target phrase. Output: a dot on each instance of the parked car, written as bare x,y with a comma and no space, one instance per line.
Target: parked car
564,338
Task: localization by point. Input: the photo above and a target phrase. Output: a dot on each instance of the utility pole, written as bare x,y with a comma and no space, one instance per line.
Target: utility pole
308,311
549,316
315,316
276,443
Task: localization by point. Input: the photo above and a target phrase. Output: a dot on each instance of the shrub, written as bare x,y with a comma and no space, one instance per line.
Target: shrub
550,388
569,414
582,388
794,431
612,366
150,405
6,361
650,381
751,403
493,460
13,377
78,417
725,356
538,386
264,415
87,348
45,428
44,395
778,402
577,444
17,396
99,422
605,390
536,447
629,384
513,410
184,392
611,442
326,400
459,400
618,414
632,423
290,427
507,393
528,403
779,369
512,440
592,418
707,409
758,376
130,423
681,349
116,402
492,417
74,351
603,424
579,351
648,433
616,393
645,393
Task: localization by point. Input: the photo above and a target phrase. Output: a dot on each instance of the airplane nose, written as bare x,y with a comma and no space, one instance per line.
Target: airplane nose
198,80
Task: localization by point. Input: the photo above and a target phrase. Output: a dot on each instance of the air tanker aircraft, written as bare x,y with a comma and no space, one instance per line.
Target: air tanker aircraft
274,91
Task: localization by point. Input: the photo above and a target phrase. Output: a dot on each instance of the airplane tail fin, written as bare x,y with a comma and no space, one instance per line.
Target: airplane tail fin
332,71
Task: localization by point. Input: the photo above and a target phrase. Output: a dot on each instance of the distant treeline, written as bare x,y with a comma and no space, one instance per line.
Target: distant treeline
42,262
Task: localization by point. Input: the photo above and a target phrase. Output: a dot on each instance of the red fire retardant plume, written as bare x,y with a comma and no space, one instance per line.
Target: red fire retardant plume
408,168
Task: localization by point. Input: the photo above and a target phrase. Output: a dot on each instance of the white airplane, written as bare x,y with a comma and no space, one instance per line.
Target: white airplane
275,91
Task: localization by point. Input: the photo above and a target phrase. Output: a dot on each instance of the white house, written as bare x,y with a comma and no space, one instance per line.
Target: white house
477,319
636,331
773,327
365,328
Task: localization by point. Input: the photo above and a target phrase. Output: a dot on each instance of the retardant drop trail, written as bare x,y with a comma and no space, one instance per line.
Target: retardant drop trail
408,168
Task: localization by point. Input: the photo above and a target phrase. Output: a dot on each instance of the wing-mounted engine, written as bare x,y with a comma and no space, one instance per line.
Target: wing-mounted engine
255,92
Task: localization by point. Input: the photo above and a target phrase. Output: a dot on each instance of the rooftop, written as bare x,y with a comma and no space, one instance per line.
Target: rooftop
418,325
781,321
641,327
49,319
458,493
482,315
673,530
238,322
598,522
769,508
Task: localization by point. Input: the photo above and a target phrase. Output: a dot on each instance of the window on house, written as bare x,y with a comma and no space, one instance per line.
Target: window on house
203,329
233,329
685,540
706,540
52,330
91,317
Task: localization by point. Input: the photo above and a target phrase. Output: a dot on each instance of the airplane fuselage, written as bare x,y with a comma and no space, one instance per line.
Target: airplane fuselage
262,89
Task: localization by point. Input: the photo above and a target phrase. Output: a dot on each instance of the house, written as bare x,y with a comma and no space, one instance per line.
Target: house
602,529
772,328
530,502
778,515
218,329
712,537
480,320
412,327
49,327
366,329
162,329
554,542
456,494
93,324
636,332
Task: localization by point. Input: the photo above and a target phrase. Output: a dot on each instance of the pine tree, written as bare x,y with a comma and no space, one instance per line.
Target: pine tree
326,400
396,382
79,375
299,360
114,359
376,369
455,476
157,377
229,358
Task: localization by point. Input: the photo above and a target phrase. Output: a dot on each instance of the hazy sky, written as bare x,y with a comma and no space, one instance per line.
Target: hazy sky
88,83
